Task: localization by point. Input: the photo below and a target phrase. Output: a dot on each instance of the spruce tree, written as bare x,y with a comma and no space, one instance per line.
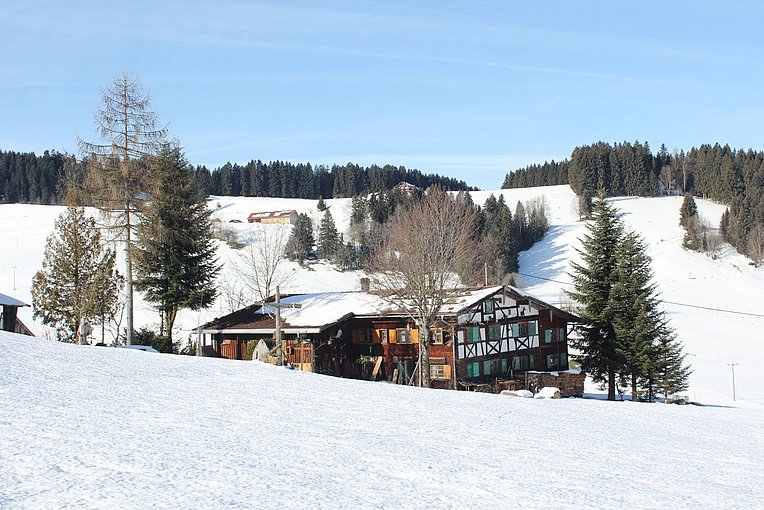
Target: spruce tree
593,282
328,238
321,205
300,243
176,263
668,371
78,281
637,321
688,210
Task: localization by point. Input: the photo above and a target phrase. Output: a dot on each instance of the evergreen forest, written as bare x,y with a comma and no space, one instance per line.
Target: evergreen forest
733,177
28,178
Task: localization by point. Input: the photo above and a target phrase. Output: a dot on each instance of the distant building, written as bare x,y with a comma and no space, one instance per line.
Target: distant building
283,217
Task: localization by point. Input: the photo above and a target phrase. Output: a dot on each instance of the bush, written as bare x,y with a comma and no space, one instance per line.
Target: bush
145,336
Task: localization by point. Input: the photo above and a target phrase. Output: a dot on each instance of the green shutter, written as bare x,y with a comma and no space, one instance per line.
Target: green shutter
531,328
561,335
547,336
504,365
515,330
486,367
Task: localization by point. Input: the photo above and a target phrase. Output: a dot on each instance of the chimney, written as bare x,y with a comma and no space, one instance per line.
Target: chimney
365,284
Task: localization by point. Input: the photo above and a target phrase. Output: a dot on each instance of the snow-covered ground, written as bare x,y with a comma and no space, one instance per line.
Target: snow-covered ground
97,427
713,337
93,427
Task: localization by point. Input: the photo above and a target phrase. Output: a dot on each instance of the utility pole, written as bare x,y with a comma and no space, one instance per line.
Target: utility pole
278,305
733,379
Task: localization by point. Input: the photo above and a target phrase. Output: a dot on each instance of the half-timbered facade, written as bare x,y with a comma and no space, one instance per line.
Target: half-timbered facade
483,336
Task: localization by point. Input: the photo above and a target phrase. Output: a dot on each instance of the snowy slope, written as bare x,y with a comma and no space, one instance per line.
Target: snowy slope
98,427
713,338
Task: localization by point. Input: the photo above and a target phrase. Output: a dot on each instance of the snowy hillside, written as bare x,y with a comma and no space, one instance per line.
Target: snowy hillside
97,427
712,336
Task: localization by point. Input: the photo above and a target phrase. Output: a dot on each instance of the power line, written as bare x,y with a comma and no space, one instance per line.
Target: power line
749,314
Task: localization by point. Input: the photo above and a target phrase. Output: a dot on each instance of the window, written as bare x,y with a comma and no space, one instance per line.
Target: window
487,367
551,361
383,336
532,329
563,361
488,306
548,336
504,365
473,369
523,362
404,335
561,335
440,372
515,330
365,336
436,336
473,335
494,332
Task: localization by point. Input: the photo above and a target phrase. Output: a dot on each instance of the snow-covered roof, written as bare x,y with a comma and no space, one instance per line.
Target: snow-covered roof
318,311
9,301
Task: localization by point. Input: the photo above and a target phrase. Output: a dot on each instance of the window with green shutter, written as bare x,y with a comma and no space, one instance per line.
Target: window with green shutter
487,367
515,330
532,328
473,369
547,336
561,335
494,332
473,335
504,365
488,306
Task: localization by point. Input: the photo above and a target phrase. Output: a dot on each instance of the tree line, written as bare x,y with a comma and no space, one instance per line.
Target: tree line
28,178
734,177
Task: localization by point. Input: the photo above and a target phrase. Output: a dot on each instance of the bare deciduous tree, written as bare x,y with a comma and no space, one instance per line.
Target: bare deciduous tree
261,261
428,247
667,179
756,244
115,170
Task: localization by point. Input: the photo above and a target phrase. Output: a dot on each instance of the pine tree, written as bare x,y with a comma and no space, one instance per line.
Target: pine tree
593,283
300,243
321,205
78,281
328,238
176,264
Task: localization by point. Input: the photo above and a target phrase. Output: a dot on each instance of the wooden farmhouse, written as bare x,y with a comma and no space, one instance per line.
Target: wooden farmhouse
484,338
283,217
8,315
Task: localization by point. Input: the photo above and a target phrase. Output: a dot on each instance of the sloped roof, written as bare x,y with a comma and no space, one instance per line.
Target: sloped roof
9,301
321,310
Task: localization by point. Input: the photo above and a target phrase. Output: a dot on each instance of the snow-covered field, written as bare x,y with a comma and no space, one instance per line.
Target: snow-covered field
90,427
97,427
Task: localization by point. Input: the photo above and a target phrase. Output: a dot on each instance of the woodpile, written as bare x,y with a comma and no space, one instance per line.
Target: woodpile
569,384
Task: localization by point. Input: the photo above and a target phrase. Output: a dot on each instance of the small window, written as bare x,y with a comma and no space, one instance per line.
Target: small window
383,336
515,330
487,367
440,372
436,336
532,330
548,336
404,335
494,332
473,369
365,336
473,335
488,306
561,335
504,365
551,361
563,361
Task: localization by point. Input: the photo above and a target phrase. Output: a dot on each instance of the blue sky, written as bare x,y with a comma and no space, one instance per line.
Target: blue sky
467,89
